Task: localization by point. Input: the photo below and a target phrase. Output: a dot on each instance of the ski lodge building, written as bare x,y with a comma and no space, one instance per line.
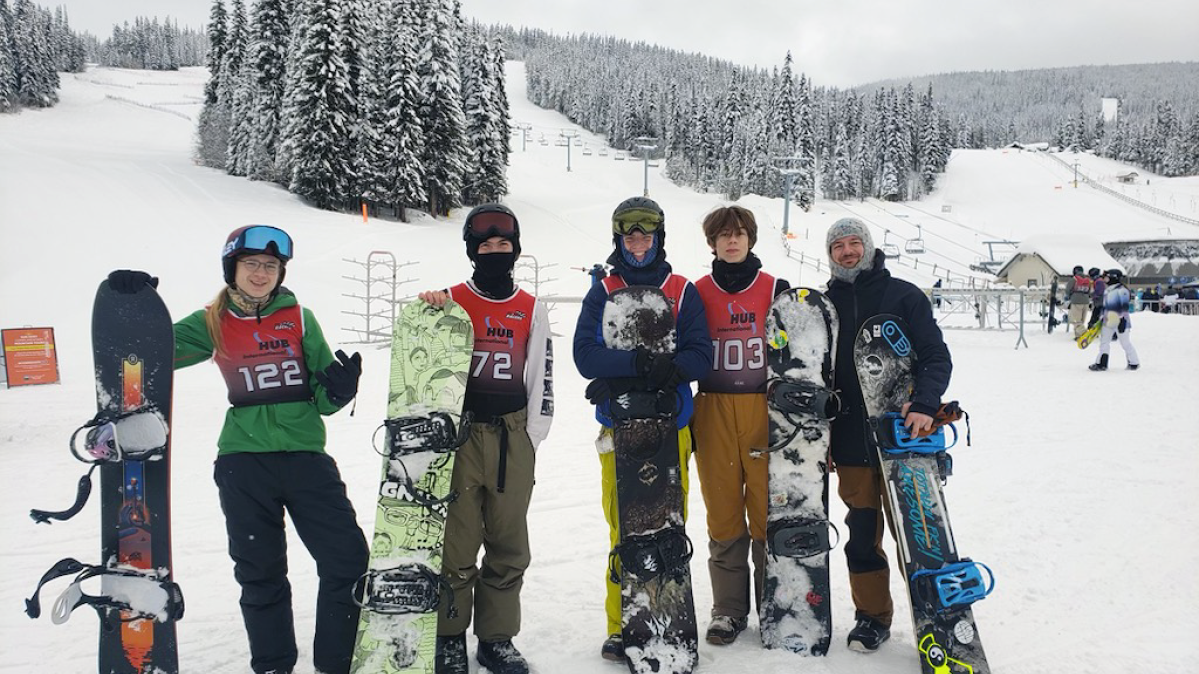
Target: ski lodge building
1040,260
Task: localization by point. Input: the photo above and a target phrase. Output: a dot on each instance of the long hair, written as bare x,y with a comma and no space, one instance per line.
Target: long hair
212,319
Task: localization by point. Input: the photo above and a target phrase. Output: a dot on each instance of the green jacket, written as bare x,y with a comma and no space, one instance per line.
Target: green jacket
281,427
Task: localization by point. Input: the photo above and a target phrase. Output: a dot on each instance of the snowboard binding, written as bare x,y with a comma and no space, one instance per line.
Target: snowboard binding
953,586
665,554
143,594
800,538
435,431
408,588
140,435
800,402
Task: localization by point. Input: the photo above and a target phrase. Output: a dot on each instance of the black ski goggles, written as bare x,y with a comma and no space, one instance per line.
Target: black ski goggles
261,237
493,223
637,219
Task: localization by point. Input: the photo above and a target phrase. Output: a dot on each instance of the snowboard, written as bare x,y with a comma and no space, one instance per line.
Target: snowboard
1089,335
941,585
657,609
801,337
400,592
1053,321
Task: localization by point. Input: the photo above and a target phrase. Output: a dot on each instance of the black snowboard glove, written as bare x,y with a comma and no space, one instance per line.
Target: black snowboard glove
602,390
642,359
340,379
663,374
1123,324
128,281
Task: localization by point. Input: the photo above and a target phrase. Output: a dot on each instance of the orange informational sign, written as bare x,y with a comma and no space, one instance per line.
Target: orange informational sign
29,356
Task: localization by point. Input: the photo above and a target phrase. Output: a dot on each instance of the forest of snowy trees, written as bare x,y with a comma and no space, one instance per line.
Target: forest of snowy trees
733,130
393,104
35,44
150,45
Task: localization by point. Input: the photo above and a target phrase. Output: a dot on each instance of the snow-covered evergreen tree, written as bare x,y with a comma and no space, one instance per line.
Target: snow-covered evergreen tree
486,122
33,62
441,114
271,31
8,74
805,148
322,161
405,132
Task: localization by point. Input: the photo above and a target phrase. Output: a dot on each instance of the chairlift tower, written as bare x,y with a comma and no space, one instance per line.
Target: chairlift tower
568,135
524,128
788,167
646,144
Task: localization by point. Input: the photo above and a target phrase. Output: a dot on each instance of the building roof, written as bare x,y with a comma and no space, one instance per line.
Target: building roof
1061,253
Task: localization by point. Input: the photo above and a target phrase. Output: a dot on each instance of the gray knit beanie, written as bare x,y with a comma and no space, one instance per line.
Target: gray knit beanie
850,227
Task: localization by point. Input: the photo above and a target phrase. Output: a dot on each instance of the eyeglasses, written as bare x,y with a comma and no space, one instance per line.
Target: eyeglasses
255,265
635,219
488,224
259,237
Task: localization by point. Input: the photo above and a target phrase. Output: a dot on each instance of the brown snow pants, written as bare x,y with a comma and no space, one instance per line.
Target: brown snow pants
862,490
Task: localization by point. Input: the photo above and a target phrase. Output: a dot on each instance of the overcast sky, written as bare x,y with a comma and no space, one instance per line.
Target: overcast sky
836,42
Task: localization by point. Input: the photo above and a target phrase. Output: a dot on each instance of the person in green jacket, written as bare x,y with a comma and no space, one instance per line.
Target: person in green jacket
281,378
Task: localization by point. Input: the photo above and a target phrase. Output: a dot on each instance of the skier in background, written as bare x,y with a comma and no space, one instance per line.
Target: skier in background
861,287
731,419
510,395
271,456
1117,324
638,258
1078,293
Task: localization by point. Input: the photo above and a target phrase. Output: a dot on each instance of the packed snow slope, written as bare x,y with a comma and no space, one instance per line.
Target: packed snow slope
1081,489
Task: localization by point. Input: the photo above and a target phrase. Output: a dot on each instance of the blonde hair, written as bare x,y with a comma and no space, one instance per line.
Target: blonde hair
212,319
730,219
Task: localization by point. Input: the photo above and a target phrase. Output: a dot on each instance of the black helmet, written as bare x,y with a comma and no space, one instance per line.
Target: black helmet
487,220
1093,272
256,240
638,213
1114,276
1078,270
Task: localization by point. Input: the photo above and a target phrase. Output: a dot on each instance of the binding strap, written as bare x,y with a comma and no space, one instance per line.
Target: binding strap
144,585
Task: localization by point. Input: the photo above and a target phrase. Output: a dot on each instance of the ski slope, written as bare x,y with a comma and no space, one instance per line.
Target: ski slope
1081,490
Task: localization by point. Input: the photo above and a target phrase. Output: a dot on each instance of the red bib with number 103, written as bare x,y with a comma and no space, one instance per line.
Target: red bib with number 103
736,322
263,361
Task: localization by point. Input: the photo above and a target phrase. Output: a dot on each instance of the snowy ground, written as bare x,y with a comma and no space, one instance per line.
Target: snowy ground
1080,490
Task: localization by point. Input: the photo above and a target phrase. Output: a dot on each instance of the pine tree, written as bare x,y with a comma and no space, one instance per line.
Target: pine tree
373,146
486,122
8,75
217,32
271,30
404,131
441,108
805,180
322,169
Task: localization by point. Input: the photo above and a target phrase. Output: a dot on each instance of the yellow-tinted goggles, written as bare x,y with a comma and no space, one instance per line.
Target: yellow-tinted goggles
636,219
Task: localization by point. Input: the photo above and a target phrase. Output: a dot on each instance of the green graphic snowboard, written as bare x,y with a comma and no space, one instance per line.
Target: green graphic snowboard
430,360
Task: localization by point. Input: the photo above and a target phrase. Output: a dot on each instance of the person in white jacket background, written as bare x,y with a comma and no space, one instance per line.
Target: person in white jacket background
1117,323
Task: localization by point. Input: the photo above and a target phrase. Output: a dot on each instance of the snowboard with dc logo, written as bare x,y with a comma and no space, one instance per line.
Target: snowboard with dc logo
942,585
801,336
403,586
652,560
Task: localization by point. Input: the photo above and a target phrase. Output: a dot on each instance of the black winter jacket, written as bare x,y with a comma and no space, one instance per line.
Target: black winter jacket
875,292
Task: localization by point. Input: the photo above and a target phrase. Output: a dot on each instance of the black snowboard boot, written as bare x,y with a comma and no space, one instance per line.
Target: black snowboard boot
451,655
613,648
501,657
724,629
1101,365
868,635
1134,366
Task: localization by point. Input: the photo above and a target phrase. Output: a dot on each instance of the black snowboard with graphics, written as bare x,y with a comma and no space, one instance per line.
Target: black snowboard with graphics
941,584
653,556
801,335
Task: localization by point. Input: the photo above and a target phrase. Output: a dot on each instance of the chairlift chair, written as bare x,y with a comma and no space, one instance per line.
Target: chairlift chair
915,246
586,152
619,155
603,152
890,250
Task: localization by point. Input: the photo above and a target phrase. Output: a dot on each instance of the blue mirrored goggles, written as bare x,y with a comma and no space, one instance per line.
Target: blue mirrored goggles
261,237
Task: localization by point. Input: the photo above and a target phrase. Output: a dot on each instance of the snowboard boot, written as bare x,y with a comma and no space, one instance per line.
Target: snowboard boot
613,648
1134,366
724,629
868,635
451,655
501,657
1100,365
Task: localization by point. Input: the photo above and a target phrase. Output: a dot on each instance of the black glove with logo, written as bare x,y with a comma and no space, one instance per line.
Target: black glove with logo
663,374
602,390
340,379
129,281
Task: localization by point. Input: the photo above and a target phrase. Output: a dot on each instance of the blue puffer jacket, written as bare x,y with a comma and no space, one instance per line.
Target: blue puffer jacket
693,354
876,292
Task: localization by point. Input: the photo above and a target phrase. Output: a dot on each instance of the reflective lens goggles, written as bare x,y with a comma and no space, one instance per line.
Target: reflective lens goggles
488,224
259,237
636,219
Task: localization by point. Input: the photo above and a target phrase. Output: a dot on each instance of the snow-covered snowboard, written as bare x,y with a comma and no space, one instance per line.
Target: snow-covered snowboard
402,588
801,335
942,586
654,553
133,345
